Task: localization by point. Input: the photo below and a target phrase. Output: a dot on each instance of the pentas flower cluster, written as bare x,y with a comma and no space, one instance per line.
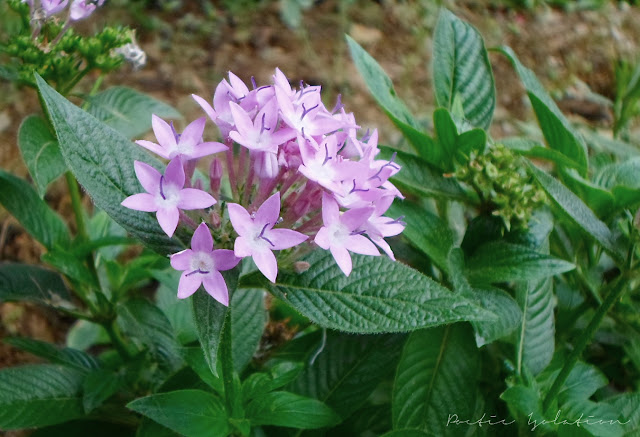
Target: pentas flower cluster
301,174
79,9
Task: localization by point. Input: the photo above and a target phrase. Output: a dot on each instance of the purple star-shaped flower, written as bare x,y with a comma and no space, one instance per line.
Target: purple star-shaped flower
166,194
260,134
340,232
52,7
189,144
81,9
202,265
257,238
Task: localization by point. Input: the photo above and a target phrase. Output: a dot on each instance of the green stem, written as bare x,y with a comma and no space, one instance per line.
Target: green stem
116,339
613,296
76,203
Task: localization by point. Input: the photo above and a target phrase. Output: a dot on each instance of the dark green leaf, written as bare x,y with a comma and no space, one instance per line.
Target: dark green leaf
436,376
622,180
21,282
57,355
84,334
149,428
461,68
503,262
407,433
525,403
533,149
598,419
102,159
378,296
557,130
40,152
178,311
22,202
70,266
192,413
504,306
39,395
601,201
628,405
194,356
281,408
582,383
100,386
128,111
248,320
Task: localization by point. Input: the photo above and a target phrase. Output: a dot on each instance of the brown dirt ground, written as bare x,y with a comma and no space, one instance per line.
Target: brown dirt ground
190,54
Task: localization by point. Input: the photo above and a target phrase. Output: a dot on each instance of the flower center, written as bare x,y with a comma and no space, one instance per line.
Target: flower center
201,262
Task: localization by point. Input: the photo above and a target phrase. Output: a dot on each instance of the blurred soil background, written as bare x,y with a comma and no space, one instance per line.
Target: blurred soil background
572,46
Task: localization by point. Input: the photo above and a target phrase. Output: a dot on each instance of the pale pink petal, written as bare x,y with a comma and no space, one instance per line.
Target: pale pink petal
148,176
168,219
141,202
238,85
224,259
243,122
361,244
216,287
330,209
182,260
192,134
242,248
202,241
189,284
269,211
354,218
342,257
174,174
206,149
191,198
153,147
322,238
163,132
240,219
266,262
285,238
384,246
208,109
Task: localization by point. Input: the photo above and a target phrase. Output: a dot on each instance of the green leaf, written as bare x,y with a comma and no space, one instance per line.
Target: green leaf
526,402
577,211
582,383
601,201
40,152
178,311
248,320
58,355
461,68
84,428
39,395
281,408
192,413
22,282
622,179
628,405
40,221
590,414
436,376
149,428
378,296
100,386
425,231
348,369
407,433
194,356
128,111
556,129
504,306
84,334
70,266
420,178
453,148
101,158
532,149
503,262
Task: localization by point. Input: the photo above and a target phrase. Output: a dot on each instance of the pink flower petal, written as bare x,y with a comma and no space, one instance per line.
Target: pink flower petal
330,209
285,238
216,287
202,241
191,198
224,259
206,149
353,218
240,219
269,211
384,246
182,260
192,134
242,248
163,132
168,219
174,174
153,147
266,262
148,176
361,244
189,284
141,202
342,257
208,109
243,122
322,238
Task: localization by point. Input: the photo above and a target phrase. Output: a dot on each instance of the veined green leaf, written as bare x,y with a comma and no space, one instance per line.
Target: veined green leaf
75,358
22,282
286,409
378,296
99,386
628,405
248,320
461,68
40,152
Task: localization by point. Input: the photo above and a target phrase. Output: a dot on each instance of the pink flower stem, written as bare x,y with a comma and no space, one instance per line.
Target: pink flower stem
232,174
242,164
265,188
188,220
288,182
311,225
248,186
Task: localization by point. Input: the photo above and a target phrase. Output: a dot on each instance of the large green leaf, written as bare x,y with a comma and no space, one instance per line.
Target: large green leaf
556,129
22,202
461,68
348,369
101,158
100,386
178,311
192,413
378,296
582,383
69,357
436,376
503,262
128,111
574,208
39,395
622,179
40,152
628,405
22,282
597,419
248,320
282,408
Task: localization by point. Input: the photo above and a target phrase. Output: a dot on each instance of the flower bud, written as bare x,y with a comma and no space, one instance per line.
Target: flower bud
215,176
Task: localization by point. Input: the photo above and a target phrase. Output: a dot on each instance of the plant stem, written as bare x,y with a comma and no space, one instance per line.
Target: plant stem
116,339
76,203
619,288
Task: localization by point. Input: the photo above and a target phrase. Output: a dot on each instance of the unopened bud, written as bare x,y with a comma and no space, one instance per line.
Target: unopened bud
301,266
215,176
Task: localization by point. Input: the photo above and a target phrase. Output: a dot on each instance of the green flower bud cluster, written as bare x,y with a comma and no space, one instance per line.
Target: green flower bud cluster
505,186
57,53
